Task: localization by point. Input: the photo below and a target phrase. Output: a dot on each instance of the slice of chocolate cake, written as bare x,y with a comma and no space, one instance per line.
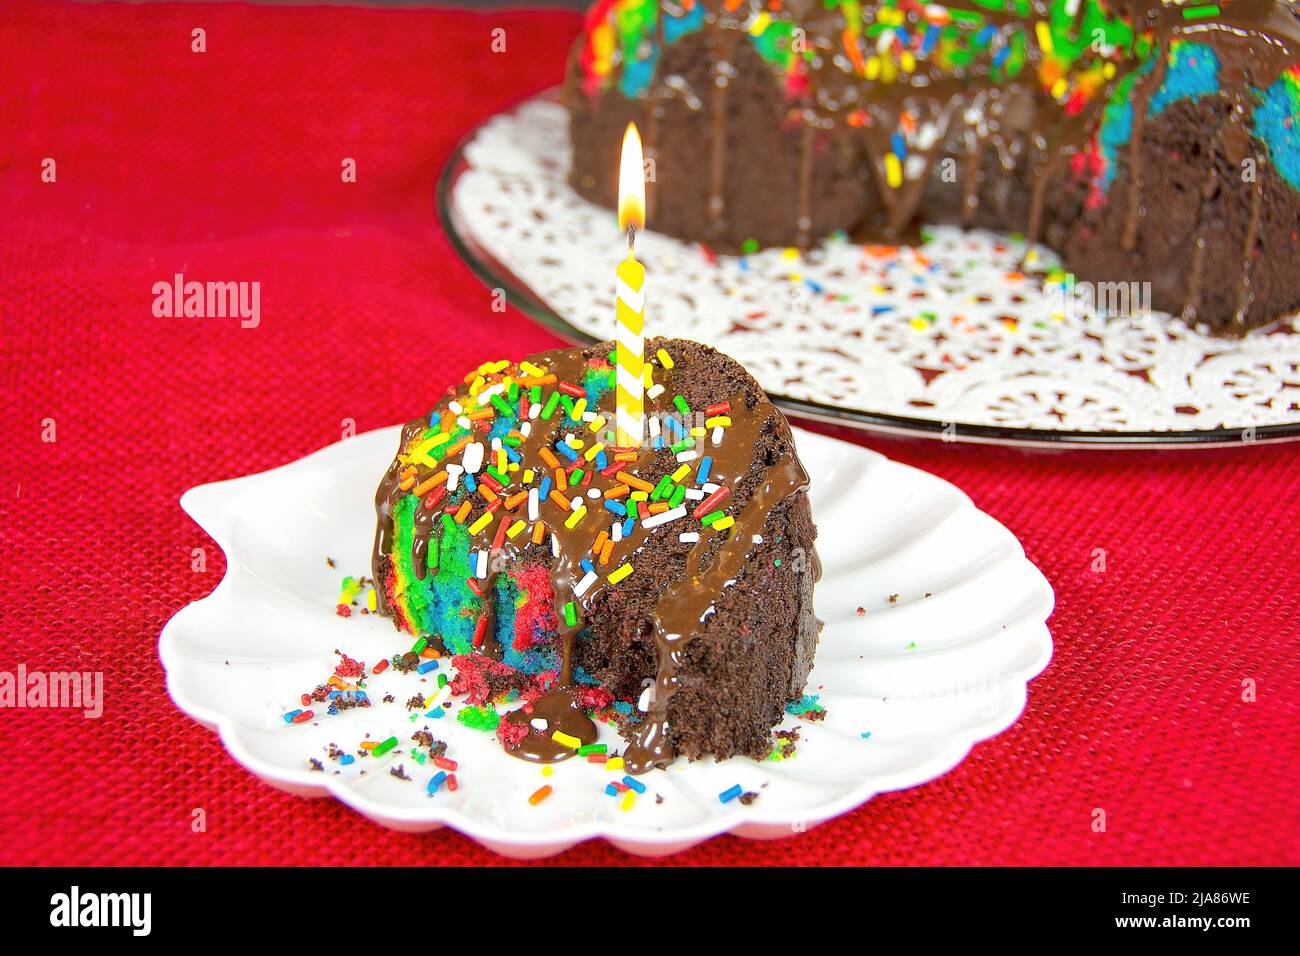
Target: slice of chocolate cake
667,586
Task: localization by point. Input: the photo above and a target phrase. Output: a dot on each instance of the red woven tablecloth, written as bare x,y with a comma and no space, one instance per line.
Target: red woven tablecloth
226,165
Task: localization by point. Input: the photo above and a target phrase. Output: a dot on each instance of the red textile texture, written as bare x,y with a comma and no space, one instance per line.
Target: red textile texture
226,165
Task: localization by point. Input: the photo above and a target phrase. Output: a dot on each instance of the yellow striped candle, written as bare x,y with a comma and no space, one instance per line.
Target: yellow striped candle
629,308
629,347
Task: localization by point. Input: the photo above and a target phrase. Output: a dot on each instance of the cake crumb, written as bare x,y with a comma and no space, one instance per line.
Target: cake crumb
405,663
435,746
349,668
784,746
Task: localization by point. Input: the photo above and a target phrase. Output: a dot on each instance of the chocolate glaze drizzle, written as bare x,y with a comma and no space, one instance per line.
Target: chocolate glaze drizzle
1254,40
681,611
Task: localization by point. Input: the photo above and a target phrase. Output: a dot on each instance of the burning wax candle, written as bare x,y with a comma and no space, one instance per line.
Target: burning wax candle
629,309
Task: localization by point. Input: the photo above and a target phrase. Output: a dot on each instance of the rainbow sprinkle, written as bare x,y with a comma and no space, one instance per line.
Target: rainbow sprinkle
1080,48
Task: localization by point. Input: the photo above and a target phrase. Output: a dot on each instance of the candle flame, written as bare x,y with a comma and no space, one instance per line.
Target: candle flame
631,182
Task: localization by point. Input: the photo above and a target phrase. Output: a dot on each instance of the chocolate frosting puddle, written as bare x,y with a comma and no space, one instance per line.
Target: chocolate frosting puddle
561,712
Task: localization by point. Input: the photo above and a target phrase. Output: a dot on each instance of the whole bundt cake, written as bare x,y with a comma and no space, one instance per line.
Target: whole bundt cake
1145,141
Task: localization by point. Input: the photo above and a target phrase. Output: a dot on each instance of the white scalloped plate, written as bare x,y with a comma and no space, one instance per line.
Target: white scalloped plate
908,687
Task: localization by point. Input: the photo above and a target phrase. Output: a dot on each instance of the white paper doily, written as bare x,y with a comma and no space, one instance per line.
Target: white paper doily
948,335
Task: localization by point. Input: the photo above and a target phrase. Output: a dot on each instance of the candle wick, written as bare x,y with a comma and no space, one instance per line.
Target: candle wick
631,238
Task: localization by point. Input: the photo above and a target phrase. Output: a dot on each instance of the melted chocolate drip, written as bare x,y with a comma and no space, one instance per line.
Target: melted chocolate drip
1143,90
686,605
1193,302
385,499
723,43
1246,297
803,218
